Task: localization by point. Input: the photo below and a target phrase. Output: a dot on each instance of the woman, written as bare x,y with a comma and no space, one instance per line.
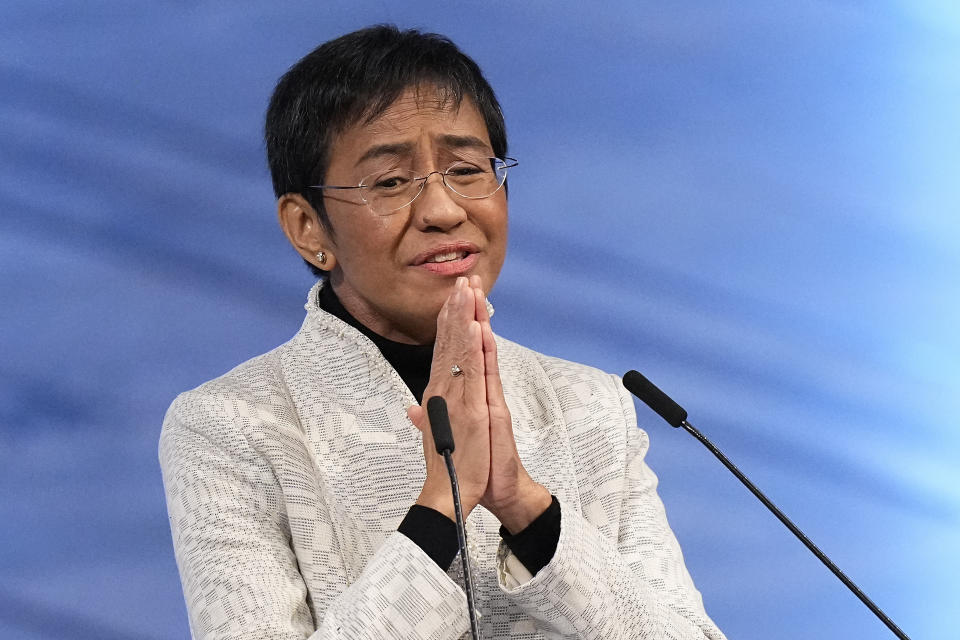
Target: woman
305,496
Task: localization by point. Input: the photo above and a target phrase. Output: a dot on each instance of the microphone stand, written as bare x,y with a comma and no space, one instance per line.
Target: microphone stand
443,439
462,541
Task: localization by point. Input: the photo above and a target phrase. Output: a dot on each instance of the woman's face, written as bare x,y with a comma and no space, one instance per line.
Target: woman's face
385,270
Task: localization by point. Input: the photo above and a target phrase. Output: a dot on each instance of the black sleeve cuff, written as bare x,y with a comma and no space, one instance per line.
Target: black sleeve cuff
433,532
535,545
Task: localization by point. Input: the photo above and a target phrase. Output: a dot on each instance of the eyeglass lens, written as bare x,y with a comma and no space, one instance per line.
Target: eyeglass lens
394,189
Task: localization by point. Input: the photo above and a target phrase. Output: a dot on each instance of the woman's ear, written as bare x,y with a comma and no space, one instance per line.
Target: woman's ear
301,225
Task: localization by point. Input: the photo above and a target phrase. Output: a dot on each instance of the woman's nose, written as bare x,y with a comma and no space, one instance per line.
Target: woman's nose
437,206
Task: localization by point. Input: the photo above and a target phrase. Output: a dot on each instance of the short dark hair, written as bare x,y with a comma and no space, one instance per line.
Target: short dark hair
354,78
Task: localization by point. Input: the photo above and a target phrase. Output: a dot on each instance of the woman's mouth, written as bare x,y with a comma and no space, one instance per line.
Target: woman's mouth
448,260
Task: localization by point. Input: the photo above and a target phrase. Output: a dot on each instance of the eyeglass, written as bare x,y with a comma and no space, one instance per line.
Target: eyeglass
387,191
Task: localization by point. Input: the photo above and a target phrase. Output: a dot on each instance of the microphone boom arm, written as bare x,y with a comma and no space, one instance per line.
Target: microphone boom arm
795,530
676,416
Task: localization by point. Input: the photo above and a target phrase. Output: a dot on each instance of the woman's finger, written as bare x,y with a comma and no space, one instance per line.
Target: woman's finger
476,282
492,382
459,344
491,366
453,319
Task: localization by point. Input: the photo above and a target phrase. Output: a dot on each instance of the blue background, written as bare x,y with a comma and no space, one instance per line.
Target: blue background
755,203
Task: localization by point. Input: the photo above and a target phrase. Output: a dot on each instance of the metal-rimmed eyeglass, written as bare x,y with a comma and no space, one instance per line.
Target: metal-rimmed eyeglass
388,191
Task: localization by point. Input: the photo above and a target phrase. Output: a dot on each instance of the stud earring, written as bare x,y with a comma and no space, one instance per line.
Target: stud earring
321,257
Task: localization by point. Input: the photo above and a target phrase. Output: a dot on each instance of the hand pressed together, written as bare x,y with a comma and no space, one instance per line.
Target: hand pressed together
489,469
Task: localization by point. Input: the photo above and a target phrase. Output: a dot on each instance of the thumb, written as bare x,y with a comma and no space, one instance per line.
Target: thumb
415,413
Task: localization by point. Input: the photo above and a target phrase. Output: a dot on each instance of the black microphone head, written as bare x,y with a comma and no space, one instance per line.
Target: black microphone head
440,424
657,400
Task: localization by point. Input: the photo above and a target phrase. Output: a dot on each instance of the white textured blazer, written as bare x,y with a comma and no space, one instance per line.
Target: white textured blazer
287,477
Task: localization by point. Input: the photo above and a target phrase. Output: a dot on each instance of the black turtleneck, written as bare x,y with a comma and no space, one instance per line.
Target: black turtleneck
411,361
432,531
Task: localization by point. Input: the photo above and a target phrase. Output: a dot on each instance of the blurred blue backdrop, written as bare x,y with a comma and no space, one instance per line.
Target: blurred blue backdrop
755,203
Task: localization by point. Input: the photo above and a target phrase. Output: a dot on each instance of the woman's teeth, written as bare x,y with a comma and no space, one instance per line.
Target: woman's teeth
447,257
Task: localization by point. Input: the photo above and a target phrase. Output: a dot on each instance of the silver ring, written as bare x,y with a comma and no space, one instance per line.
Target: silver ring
456,371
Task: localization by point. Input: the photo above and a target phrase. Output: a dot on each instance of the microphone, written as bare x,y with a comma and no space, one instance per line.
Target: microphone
443,439
661,403
440,425
676,416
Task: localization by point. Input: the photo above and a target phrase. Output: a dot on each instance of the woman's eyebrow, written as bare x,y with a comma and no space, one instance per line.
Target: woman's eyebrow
391,149
461,142
406,148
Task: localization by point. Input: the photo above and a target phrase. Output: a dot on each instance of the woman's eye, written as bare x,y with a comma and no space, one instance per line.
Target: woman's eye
391,182
464,170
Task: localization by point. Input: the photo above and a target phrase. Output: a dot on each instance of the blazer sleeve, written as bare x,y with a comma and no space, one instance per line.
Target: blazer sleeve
232,541
596,588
